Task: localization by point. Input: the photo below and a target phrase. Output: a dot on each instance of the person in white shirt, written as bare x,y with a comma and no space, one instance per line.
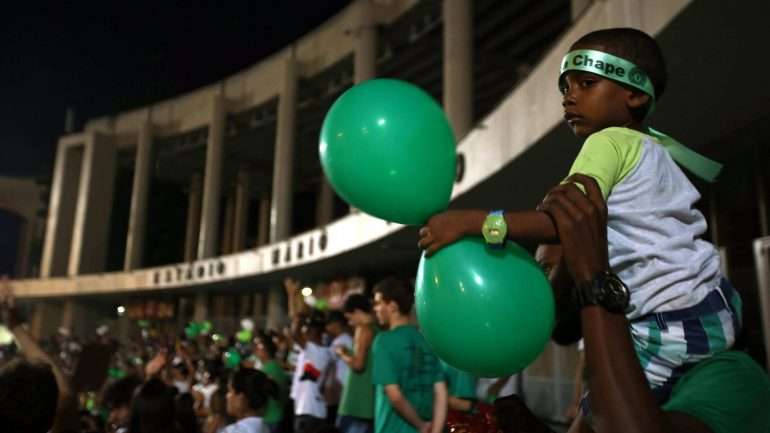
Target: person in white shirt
247,395
337,328
310,374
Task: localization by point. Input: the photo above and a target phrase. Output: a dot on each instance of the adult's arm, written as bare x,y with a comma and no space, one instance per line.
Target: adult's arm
66,419
405,409
620,397
362,340
440,397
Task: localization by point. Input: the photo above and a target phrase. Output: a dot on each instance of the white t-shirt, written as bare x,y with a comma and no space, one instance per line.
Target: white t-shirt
309,374
483,384
346,341
250,424
207,391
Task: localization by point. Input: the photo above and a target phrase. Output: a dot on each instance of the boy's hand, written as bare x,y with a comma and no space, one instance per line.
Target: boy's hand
446,227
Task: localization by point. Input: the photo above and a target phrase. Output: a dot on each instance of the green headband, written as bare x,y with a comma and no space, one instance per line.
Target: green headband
611,67
621,70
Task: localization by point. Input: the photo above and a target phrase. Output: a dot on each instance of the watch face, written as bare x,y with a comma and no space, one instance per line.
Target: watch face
614,294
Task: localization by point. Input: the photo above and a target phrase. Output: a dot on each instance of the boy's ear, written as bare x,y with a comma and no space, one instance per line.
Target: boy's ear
637,100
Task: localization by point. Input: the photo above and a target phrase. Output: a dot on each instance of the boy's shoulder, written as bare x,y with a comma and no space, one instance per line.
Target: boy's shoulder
618,135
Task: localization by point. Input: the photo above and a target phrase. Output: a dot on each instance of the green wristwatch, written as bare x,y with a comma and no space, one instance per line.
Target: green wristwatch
494,228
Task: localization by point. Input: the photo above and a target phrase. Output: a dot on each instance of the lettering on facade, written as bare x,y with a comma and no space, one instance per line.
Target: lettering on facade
189,272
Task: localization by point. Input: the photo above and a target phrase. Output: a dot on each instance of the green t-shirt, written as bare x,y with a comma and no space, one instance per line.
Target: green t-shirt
459,383
358,395
728,392
274,411
402,357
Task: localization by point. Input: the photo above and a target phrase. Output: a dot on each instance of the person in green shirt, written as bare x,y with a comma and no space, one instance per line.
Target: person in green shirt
411,394
356,410
461,387
265,350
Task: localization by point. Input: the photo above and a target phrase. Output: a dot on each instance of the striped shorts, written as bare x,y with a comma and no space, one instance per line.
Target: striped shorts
668,344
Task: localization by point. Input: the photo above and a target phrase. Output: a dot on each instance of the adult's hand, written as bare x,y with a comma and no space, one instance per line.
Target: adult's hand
581,221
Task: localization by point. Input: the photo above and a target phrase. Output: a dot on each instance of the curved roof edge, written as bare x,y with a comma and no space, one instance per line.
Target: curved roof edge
524,117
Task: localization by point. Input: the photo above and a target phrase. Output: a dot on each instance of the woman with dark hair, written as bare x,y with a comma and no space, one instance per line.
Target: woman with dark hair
153,409
247,396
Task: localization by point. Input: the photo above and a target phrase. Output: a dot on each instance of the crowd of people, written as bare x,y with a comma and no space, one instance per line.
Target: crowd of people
319,374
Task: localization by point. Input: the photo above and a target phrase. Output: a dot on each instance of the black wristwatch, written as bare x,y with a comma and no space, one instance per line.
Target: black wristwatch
605,290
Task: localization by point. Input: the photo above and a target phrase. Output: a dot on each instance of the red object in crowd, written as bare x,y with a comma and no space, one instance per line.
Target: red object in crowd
481,421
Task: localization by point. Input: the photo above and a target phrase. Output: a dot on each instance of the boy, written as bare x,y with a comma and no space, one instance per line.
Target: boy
411,395
680,308
310,373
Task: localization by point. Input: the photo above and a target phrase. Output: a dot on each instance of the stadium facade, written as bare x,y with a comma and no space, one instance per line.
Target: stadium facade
202,204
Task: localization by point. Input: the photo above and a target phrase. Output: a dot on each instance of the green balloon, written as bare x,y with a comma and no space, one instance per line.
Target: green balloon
232,358
244,336
486,311
387,148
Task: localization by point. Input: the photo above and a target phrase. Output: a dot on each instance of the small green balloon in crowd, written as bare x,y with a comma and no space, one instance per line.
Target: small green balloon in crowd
143,323
321,304
192,330
205,327
387,148
244,336
232,358
486,311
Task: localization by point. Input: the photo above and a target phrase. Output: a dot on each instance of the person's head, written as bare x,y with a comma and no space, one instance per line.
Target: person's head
393,299
265,348
117,400
248,393
28,396
594,101
336,323
357,309
312,327
153,409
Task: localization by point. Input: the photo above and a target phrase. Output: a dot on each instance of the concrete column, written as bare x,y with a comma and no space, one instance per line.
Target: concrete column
276,308
201,307
70,313
578,6
283,165
212,181
458,65
263,228
193,218
227,227
365,43
137,219
759,178
241,217
325,209
61,207
45,318
90,232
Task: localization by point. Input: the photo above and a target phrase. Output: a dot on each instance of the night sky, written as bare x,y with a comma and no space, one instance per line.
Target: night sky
106,57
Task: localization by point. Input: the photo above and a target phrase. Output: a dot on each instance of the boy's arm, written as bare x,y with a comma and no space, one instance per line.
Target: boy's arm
440,400
405,409
447,227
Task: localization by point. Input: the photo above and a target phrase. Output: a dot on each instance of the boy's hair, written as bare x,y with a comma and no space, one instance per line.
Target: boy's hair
255,385
398,290
635,46
357,301
336,316
28,396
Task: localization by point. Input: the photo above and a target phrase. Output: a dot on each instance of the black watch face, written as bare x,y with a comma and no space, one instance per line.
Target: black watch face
614,295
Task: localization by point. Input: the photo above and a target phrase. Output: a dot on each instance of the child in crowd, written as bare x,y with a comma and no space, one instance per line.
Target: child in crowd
248,394
680,307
